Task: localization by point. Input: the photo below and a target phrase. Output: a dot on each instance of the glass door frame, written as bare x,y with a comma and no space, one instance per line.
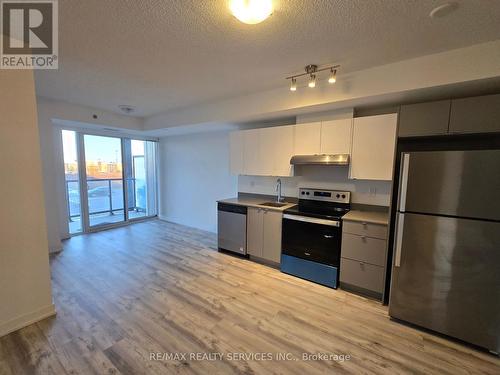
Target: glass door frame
82,176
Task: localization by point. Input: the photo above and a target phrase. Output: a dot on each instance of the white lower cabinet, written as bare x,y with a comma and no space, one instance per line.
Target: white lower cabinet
255,231
264,233
363,258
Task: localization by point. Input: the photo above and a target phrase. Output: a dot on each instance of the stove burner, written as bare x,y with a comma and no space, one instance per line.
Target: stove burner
323,204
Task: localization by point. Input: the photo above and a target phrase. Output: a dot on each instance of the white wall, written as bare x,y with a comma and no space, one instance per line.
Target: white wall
194,174
25,291
326,177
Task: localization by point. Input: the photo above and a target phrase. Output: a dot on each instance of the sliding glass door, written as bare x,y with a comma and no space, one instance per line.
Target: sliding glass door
104,175
109,180
140,177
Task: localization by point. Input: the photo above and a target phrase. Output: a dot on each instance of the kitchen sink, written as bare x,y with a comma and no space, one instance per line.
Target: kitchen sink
273,204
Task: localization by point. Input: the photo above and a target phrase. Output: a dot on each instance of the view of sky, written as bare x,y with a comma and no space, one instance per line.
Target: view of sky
105,149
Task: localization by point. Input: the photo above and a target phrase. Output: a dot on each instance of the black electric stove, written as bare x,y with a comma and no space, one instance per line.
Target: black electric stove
312,235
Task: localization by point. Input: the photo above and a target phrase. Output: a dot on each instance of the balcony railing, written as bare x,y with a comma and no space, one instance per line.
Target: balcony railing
104,196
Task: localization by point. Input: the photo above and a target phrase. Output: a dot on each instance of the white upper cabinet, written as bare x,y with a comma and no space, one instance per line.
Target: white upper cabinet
373,147
336,136
253,159
266,151
283,140
276,146
370,141
236,165
307,139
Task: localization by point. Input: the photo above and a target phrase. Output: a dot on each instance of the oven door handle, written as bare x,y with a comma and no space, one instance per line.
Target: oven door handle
331,223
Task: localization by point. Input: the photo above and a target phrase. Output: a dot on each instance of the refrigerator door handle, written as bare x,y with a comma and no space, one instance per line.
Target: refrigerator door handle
398,239
405,165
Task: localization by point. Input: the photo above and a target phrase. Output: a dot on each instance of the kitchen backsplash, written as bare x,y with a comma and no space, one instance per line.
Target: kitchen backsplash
326,177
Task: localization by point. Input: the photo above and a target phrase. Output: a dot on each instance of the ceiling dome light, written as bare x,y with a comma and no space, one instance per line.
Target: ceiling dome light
251,11
293,85
312,81
333,76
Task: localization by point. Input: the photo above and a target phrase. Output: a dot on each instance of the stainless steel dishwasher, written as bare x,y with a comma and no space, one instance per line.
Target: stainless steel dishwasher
232,228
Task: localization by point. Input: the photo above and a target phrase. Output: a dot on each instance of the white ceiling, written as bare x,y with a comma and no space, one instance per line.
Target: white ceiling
163,54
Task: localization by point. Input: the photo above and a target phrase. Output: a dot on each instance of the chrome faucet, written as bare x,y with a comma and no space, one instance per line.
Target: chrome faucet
279,198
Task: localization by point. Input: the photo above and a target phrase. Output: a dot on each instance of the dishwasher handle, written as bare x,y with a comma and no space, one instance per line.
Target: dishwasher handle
234,208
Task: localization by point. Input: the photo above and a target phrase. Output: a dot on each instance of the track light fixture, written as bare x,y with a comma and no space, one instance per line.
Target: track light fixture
312,70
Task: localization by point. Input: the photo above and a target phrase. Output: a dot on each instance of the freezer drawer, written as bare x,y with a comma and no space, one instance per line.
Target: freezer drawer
446,278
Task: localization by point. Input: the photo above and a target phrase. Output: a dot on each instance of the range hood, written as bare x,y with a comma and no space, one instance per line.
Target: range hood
324,159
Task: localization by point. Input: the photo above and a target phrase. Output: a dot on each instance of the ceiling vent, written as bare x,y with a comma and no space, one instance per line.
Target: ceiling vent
127,109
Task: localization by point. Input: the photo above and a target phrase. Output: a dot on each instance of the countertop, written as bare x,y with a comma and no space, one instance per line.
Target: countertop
256,201
374,217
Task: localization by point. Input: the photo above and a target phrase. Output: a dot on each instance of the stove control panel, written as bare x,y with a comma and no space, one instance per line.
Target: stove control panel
325,195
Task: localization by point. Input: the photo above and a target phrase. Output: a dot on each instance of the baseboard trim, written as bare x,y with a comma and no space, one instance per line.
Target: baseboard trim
27,319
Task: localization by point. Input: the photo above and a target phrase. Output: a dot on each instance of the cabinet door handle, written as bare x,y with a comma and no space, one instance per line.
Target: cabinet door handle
308,254
328,236
363,238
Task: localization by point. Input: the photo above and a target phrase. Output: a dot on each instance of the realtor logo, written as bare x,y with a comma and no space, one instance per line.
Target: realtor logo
29,34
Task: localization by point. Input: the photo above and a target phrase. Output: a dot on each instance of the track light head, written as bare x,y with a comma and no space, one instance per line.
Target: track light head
293,85
312,81
333,76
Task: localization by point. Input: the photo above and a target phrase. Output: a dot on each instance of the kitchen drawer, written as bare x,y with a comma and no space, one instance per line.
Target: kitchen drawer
362,275
365,249
365,229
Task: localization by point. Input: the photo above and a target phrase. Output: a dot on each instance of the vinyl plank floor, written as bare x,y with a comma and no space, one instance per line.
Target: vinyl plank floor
157,287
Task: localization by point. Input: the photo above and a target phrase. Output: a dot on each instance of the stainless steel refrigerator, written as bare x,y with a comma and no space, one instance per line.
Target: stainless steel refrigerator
446,266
